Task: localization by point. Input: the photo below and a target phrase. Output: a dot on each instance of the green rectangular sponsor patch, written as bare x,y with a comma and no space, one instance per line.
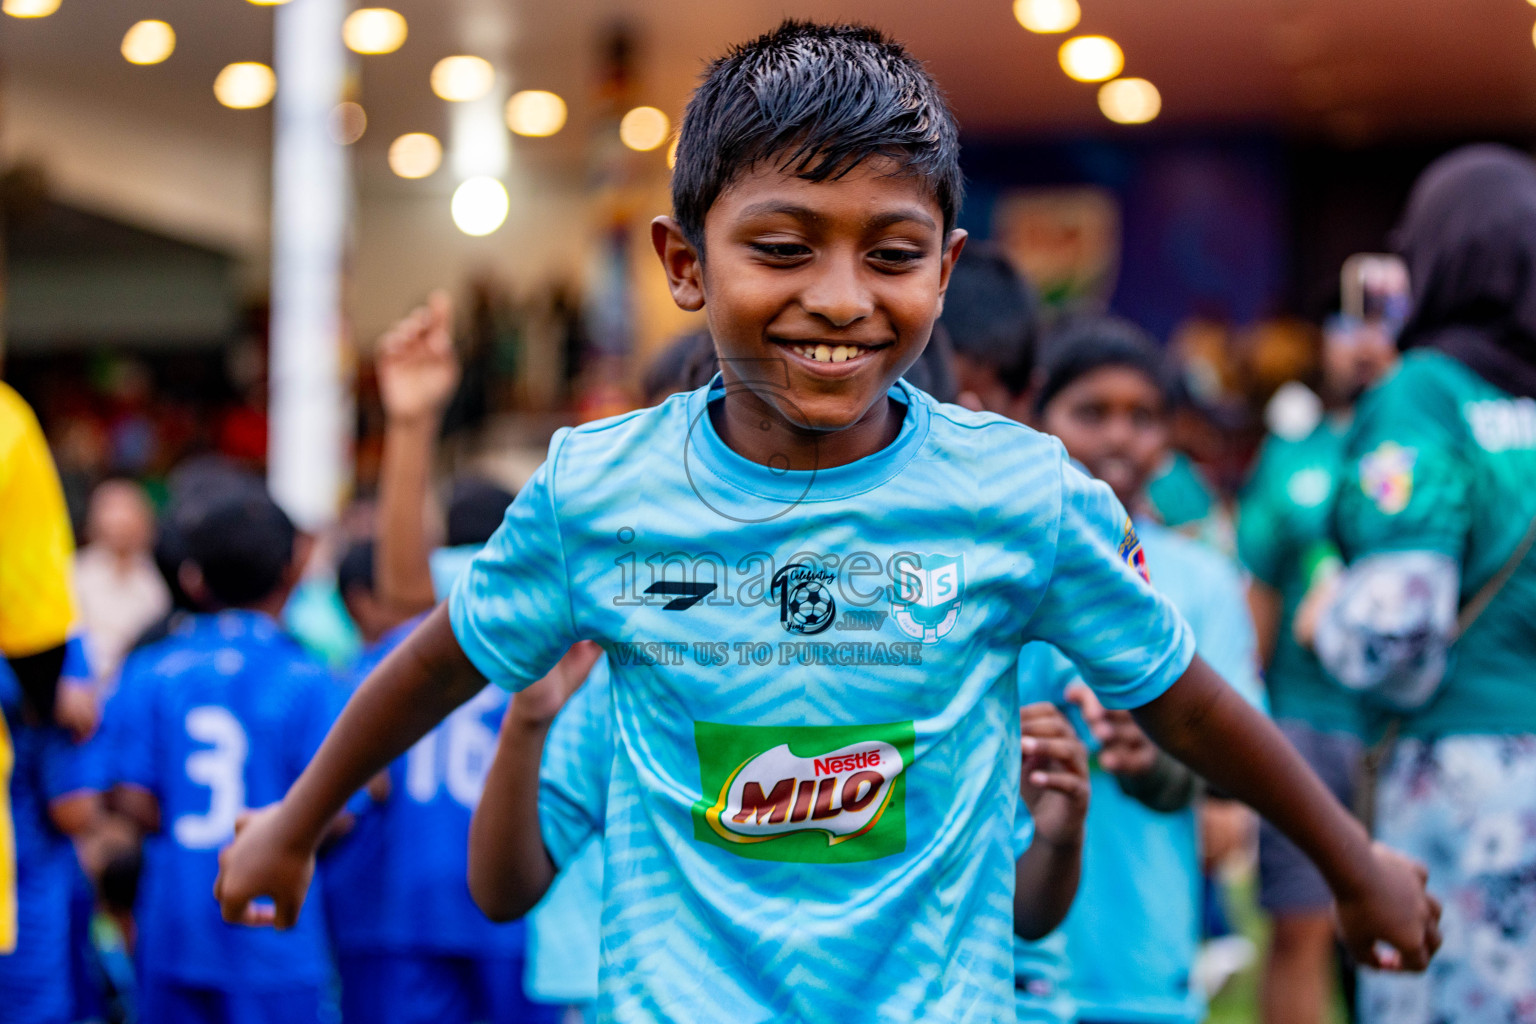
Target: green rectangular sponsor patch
808,794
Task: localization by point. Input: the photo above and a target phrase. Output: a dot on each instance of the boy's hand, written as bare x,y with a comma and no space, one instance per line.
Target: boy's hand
1054,776
263,861
418,369
537,705
1393,924
1123,748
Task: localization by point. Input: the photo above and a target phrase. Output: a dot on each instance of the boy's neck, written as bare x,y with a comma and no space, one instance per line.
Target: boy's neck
753,430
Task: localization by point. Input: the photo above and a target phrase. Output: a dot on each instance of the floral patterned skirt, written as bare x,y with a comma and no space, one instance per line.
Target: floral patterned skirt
1466,807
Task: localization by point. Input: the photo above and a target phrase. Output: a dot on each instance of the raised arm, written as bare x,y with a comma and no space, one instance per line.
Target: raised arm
1380,893
411,691
418,372
510,868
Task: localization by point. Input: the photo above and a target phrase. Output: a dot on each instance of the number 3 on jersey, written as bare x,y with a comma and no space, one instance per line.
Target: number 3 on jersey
221,768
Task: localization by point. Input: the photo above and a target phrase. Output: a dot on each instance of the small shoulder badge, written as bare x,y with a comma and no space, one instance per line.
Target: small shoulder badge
1131,553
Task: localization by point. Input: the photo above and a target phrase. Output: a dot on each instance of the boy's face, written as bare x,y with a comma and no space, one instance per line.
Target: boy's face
1115,422
820,293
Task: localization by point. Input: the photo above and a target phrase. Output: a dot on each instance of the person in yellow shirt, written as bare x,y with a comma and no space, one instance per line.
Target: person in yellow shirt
36,608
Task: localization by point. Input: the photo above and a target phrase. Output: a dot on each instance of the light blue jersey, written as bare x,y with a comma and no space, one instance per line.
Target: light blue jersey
564,929
815,717
1125,951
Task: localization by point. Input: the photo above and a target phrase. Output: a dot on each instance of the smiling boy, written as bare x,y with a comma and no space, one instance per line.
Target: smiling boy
816,838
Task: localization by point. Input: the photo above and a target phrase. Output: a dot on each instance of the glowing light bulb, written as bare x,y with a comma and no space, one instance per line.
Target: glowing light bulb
149,42
461,79
374,30
644,128
29,8
1130,100
415,155
535,113
1091,58
245,86
1049,15
480,206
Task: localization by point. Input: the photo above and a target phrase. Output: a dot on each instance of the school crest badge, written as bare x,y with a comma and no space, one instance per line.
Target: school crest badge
1386,476
926,596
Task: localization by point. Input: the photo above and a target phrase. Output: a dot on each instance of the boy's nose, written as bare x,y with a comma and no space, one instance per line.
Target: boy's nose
837,295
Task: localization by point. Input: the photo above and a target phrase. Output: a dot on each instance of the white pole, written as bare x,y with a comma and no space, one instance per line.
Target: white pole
311,405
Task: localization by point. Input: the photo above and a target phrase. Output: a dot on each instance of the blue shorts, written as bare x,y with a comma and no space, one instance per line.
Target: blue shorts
423,988
166,1001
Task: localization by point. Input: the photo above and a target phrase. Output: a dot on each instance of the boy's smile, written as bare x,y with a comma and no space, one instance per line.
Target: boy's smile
835,285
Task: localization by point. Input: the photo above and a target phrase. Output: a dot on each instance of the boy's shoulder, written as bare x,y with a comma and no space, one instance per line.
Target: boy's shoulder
954,427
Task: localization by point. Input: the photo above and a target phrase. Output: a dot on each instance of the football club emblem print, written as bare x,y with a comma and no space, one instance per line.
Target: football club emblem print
1131,553
1386,476
925,601
806,604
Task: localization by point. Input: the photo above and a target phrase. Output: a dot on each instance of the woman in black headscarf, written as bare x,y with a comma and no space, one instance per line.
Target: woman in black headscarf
1435,620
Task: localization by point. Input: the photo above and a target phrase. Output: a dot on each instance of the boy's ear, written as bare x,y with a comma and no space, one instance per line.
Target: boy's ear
685,270
952,247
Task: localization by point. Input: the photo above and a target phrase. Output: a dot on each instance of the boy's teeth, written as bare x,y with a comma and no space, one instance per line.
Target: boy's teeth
830,353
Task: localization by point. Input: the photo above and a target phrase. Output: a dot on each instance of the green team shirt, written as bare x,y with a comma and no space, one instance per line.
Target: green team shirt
1441,460
1282,528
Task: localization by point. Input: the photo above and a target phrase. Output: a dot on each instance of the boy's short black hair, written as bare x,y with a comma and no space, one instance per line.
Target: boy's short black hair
991,315
819,100
475,510
1092,343
243,544
355,570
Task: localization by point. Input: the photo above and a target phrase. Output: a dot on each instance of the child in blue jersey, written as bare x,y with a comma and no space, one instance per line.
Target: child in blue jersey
1127,948
55,796
809,822
219,716
410,944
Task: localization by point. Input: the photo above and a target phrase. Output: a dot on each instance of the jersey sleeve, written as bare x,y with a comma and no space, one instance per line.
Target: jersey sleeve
1261,533
574,770
511,608
1100,610
1406,485
36,543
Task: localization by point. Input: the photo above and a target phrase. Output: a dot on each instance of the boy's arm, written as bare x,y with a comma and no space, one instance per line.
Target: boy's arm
411,691
1054,785
1380,893
510,868
418,373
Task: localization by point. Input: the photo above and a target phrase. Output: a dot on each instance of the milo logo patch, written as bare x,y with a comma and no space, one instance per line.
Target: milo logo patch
806,793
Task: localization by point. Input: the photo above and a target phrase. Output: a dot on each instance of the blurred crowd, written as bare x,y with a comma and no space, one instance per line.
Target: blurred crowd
1255,487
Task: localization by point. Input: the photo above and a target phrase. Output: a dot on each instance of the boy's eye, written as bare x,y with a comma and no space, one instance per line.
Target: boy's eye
782,250
899,257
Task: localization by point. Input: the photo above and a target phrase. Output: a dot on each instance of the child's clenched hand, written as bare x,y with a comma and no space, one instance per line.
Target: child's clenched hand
1123,748
1054,776
417,366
